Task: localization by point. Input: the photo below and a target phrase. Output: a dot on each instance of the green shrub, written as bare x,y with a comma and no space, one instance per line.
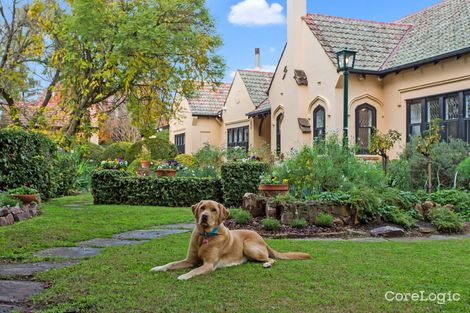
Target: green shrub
446,220
116,150
134,166
239,178
23,190
394,215
465,215
464,173
459,199
159,148
27,158
205,172
324,220
271,224
240,216
210,155
299,223
400,199
90,151
328,167
6,200
410,172
186,160
65,173
118,187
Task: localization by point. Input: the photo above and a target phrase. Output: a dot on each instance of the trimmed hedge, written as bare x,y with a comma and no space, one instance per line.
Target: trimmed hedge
116,187
116,150
27,158
239,178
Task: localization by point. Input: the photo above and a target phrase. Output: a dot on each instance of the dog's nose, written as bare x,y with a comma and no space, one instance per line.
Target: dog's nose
204,217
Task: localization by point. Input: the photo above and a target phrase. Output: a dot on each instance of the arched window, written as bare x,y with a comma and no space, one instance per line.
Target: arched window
279,119
366,121
319,123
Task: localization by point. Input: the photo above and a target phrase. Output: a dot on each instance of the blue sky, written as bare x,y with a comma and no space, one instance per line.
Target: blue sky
243,28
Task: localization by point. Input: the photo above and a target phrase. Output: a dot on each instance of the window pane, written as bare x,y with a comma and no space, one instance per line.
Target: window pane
452,129
415,113
467,106
246,134
320,119
364,139
365,118
434,111
452,107
415,130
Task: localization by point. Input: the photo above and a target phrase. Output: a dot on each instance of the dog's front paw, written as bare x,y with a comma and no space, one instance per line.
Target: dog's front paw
162,268
184,277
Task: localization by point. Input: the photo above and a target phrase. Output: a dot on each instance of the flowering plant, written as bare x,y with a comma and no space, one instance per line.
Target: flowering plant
169,165
272,179
117,164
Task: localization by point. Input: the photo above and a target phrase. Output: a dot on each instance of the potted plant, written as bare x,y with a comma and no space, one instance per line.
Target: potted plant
25,194
271,185
145,157
167,169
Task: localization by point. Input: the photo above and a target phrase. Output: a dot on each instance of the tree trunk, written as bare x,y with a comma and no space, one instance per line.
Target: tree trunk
45,101
76,118
385,160
429,176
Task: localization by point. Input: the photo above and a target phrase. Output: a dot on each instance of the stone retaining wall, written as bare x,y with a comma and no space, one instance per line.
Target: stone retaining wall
10,215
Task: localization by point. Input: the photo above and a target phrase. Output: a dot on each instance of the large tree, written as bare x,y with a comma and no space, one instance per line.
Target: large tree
140,52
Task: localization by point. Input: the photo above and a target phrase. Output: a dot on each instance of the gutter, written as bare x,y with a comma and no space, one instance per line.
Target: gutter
415,65
260,112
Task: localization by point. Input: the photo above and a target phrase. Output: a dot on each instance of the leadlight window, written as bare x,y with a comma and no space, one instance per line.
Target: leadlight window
319,123
180,143
366,121
238,137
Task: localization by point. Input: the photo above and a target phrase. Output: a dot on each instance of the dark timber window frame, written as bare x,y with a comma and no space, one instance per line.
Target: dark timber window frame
319,132
180,143
279,120
459,122
238,137
363,151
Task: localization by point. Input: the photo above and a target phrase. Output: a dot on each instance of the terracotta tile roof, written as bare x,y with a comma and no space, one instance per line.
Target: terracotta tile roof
209,100
373,41
257,84
262,108
440,29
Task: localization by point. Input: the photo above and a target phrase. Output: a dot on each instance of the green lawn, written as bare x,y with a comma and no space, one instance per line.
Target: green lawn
341,276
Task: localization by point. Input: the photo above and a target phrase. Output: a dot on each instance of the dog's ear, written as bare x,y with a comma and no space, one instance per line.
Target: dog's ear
195,208
223,213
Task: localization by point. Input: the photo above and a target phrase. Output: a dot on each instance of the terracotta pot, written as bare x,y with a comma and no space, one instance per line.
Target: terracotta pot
145,163
165,173
27,199
273,190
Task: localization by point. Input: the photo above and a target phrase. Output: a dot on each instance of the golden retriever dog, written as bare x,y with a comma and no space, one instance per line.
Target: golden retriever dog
217,246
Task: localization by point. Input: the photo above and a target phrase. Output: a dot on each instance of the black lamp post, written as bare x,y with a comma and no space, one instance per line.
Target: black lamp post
346,59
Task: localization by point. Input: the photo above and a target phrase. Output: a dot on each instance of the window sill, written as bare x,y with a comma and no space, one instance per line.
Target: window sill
367,157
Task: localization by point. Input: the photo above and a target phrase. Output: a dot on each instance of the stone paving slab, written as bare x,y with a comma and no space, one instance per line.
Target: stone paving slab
108,242
28,269
176,226
13,291
5,308
69,252
148,234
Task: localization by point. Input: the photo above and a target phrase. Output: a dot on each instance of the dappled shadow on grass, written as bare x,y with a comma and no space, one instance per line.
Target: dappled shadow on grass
341,277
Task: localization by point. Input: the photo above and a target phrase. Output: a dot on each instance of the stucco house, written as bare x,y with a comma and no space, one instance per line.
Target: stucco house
406,73
199,120
247,114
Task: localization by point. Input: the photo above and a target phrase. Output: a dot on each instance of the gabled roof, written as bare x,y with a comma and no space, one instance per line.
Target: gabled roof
257,84
209,100
435,31
263,108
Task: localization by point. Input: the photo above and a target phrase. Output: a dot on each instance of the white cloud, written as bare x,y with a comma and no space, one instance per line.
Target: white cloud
272,49
256,13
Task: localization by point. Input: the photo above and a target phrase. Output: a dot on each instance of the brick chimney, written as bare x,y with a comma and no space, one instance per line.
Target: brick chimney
257,59
296,9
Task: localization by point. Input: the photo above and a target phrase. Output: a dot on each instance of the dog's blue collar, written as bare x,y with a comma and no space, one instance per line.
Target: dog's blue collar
210,234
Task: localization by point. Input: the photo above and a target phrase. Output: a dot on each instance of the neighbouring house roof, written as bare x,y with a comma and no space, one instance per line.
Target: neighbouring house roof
435,31
209,100
257,84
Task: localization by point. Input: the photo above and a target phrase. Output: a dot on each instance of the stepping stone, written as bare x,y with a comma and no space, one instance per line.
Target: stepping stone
28,269
69,252
175,226
102,243
12,291
368,239
5,308
148,234
387,231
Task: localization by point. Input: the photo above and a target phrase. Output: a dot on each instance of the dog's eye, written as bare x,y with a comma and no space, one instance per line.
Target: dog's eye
213,210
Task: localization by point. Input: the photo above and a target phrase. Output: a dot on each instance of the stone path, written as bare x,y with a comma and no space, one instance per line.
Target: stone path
14,294
397,239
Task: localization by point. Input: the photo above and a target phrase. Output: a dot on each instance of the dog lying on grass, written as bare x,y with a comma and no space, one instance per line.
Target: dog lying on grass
217,246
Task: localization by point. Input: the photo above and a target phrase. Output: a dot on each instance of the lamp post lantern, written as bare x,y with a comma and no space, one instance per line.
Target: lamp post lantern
346,59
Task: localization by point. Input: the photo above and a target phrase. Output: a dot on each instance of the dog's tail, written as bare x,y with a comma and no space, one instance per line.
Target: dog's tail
288,255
